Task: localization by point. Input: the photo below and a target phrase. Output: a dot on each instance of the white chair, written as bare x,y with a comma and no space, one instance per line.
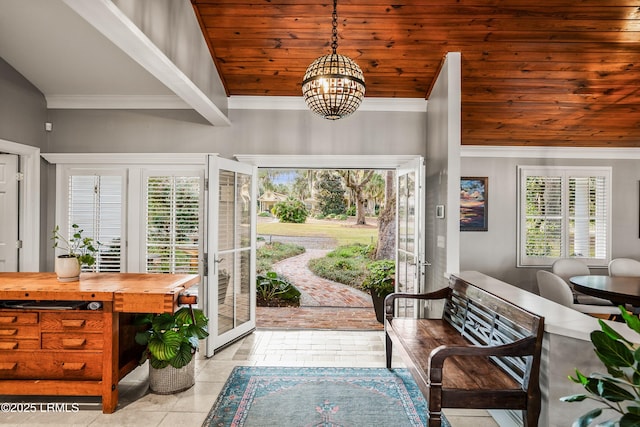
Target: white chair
624,267
569,267
554,288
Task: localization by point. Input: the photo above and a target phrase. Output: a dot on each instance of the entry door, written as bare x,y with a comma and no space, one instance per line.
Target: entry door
410,242
231,238
8,212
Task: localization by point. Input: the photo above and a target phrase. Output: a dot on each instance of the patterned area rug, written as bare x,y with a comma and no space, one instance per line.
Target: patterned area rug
326,397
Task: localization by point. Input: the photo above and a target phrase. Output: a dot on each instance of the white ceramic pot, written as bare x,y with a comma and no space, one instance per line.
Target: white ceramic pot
67,268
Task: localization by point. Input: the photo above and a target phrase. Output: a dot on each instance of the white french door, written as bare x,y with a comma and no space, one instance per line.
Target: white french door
410,241
230,285
8,212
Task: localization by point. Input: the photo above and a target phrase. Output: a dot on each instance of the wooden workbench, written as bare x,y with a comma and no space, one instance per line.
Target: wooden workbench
77,351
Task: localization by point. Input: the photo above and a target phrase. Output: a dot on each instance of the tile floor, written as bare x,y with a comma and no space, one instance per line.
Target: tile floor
138,407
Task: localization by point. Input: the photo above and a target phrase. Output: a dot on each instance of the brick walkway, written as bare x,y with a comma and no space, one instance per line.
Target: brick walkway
324,304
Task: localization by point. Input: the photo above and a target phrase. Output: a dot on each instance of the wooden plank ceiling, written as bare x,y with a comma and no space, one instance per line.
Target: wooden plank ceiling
543,73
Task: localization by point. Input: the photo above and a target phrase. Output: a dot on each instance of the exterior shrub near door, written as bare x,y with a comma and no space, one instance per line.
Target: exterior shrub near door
291,210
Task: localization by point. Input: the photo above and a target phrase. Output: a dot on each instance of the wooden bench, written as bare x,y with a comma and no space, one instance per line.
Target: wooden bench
483,353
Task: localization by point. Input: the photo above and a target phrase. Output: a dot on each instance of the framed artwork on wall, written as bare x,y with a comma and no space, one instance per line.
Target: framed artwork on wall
473,204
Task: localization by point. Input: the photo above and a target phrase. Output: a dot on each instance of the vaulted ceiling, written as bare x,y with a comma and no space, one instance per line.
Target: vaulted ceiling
550,73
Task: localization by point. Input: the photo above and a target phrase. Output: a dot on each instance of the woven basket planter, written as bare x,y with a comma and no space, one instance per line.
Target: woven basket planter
171,380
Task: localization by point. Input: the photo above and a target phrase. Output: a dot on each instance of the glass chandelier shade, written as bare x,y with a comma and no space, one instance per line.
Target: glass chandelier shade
333,85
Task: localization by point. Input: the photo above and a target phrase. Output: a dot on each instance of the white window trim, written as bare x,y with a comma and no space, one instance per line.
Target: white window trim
549,170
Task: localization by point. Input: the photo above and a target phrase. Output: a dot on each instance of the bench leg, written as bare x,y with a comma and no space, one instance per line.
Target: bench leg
387,349
435,419
530,418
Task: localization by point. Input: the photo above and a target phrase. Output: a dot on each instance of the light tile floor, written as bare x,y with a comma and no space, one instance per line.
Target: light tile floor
138,407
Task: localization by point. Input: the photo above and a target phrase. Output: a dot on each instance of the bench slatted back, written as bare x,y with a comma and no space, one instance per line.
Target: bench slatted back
484,319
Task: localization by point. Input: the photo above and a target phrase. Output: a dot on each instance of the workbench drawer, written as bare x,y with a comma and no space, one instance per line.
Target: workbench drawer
18,318
72,321
19,332
72,340
51,366
19,344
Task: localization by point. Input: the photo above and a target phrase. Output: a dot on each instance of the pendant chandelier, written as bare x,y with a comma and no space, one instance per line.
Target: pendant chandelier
333,85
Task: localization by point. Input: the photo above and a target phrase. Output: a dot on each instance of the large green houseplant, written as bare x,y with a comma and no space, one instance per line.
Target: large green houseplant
171,341
619,391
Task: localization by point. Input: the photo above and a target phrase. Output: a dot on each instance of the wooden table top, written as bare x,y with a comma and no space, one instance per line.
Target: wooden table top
130,292
617,289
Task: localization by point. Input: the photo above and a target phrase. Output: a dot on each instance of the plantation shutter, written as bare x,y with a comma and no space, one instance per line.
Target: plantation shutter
543,216
172,224
95,205
588,216
564,212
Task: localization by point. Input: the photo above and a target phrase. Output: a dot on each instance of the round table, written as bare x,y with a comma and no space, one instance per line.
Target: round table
620,290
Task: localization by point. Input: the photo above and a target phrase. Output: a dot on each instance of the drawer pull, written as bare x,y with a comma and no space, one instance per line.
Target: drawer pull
8,319
8,345
73,342
73,366
8,366
73,323
8,332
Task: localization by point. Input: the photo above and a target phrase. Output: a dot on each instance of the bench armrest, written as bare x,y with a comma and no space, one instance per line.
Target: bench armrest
390,299
523,347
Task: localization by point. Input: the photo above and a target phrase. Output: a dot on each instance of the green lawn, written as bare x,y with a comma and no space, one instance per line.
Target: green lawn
343,232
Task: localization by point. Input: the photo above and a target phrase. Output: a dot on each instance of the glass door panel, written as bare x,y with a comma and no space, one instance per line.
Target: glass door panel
231,242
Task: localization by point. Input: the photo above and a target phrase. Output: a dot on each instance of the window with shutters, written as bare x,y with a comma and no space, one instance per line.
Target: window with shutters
564,212
95,203
172,223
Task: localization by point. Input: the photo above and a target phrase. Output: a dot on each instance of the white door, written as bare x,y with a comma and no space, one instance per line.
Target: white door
230,285
8,212
410,241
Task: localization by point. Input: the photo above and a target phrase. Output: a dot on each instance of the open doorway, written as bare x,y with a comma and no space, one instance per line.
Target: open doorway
319,232
410,245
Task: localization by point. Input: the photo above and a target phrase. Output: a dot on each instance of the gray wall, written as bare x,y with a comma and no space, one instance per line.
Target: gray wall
23,109
442,163
23,113
251,132
494,252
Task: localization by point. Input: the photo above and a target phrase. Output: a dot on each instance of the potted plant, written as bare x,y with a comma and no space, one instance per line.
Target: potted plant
171,341
380,282
618,392
78,251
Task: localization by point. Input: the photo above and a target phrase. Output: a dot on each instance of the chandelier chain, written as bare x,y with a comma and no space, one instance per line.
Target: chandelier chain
334,32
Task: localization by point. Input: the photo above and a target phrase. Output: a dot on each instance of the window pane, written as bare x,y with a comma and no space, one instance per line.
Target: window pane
95,204
543,216
564,212
172,224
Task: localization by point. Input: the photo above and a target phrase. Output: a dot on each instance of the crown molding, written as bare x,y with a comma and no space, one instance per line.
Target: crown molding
325,161
128,158
115,102
550,152
297,103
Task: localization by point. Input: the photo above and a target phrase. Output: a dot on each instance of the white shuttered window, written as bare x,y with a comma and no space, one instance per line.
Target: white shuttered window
95,205
564,212
173,205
